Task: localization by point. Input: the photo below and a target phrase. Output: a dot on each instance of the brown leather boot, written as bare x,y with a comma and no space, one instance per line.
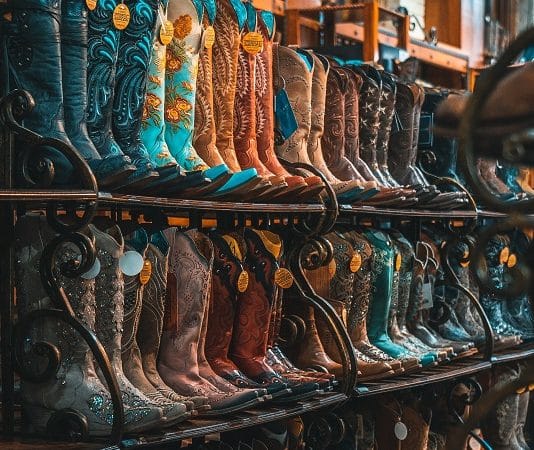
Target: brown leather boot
151,320
182,347
359,307
265,112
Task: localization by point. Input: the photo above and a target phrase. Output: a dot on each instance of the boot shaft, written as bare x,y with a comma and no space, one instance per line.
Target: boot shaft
294,70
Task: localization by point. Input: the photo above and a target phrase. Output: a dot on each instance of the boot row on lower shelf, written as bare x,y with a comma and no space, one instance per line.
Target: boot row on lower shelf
398,312
189,322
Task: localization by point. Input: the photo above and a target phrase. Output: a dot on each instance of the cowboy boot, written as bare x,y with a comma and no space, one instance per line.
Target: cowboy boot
151,320
181,68
248,349
137,242
75,386
317,69
333,138
109,290
311,186
522,411
359,307
181,350
338,290
35,65
382,264
499,426
418,424
426,358
407,255
102,90
109,170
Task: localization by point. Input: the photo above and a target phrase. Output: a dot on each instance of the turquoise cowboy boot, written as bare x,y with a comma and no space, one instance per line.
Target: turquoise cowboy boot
153,123
102,55
382,266
180,86
135,45
113,168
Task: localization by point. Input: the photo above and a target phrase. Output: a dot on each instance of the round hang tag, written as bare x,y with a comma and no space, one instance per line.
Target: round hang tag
355,262
166,32
401,431
252,42
209,37
131,263
332,267
283,278
93,271
91,4
512,261
504,255
146,272
242,281
121,16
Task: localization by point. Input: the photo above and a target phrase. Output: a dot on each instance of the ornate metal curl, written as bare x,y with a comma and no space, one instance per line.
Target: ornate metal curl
298,257
39,171
64,312
327,220
513,148
446,254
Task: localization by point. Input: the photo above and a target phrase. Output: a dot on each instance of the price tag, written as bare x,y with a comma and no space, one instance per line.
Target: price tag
131,263
252,42
355,262
332,267
91,4
283,278
209,37
398,262
121,16
166,32
512,261
242,281
146,272
401,431
505,254
93,271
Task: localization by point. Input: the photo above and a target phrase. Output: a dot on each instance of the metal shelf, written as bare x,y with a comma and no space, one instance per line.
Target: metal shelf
437,374
522,352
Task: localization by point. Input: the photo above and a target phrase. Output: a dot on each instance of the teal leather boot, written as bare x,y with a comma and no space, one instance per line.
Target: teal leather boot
382,266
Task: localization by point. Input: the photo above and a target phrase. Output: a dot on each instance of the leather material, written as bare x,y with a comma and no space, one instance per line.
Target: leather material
151,320
74,29
333,139
359,308
182,347
180,82
487,170
418,423
254,306
265,105
135,45
227,267
205,134
381,282
35,65
131,356
153,125
228,26
76,384
109,290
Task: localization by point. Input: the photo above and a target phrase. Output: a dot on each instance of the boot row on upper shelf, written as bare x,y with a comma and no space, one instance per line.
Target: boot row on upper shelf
189,321
399,315
179,100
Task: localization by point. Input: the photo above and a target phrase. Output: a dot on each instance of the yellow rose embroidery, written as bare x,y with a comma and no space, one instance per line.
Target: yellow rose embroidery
183,26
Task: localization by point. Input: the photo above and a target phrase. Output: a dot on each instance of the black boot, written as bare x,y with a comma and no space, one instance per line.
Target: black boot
31,60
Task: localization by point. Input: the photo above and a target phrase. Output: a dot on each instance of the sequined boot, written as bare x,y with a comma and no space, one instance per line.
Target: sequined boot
75,386
109,291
